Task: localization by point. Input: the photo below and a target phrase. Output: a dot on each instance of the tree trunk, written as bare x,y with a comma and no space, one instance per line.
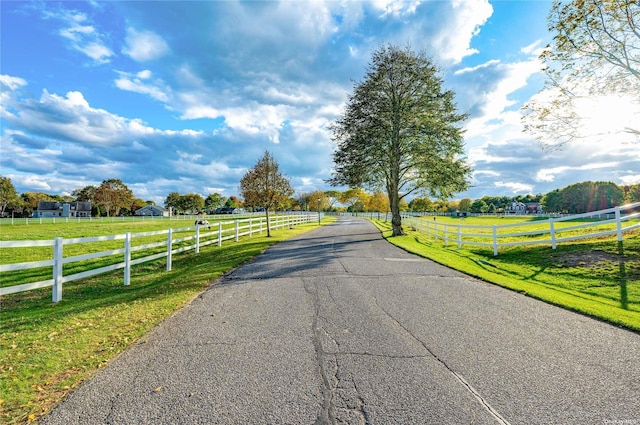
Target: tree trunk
394,184
268,224
396,220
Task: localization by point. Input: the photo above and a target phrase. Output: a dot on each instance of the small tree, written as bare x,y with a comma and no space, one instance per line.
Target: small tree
354,198
214,201
173,202
9,198
421,205
465,204
192,202
265,187
232,202
30,201
378,202
85,194
317,201
333,196
400,130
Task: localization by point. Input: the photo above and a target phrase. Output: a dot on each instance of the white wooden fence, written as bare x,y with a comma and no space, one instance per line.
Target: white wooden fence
202,236
544,232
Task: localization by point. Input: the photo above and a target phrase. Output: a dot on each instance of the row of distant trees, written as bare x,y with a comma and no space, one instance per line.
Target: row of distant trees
574,199
113,197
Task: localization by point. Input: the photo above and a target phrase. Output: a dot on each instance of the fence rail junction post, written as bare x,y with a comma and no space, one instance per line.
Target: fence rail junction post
57,270
127,259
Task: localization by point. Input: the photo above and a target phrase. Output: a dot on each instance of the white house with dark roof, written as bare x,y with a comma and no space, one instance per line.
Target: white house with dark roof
152,210
63,209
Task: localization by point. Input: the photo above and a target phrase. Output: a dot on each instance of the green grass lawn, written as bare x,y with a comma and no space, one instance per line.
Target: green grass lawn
598,277
48,349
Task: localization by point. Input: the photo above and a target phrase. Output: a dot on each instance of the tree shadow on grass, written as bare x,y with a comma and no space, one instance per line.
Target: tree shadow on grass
594,269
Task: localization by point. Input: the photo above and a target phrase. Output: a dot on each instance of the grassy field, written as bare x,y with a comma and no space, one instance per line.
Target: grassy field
598,277
48,349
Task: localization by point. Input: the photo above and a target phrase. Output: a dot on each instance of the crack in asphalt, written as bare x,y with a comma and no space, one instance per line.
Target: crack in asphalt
327,412
493,412
385,356
329,367
361,404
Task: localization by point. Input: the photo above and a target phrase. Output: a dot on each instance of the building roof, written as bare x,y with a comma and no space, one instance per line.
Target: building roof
53,205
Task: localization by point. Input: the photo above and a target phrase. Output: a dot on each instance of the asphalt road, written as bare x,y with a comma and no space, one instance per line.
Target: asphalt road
339,326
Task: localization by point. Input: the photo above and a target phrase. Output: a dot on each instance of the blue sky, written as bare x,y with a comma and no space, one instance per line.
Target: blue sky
186,96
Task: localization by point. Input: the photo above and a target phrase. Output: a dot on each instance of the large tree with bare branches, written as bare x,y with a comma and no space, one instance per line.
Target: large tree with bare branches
595,51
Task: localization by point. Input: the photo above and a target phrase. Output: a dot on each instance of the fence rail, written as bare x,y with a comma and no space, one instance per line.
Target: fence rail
129,218
549,232
197,237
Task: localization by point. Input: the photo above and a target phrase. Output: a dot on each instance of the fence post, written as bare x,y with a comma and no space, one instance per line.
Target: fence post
250,226
552,233
169,248
260,225
618,224
495,240
57,270
127,258
220,233
237,231
197,238
459,237
446,235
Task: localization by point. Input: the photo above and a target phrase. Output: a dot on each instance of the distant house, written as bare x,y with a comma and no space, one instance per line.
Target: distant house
63,209
534,208
152,210
517,207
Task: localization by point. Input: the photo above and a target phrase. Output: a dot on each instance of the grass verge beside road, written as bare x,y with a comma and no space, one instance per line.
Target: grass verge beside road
47,350
597,277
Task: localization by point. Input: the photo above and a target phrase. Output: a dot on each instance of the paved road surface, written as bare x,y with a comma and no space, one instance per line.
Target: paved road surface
339,326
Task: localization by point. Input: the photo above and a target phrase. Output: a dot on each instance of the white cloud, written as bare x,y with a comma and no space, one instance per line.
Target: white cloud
533,48
396,8
143,46
459,26
82,35
515,187
142,83
12,83
72,119
630,179
493,98
549,174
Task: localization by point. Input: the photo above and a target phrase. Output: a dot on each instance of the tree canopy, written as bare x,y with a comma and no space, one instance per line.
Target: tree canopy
595,52
583,197
8,196
214,201
264,186
400,131
113,195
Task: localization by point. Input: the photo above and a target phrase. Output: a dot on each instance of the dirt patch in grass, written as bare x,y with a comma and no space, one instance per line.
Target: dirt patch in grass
587,258
598,259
